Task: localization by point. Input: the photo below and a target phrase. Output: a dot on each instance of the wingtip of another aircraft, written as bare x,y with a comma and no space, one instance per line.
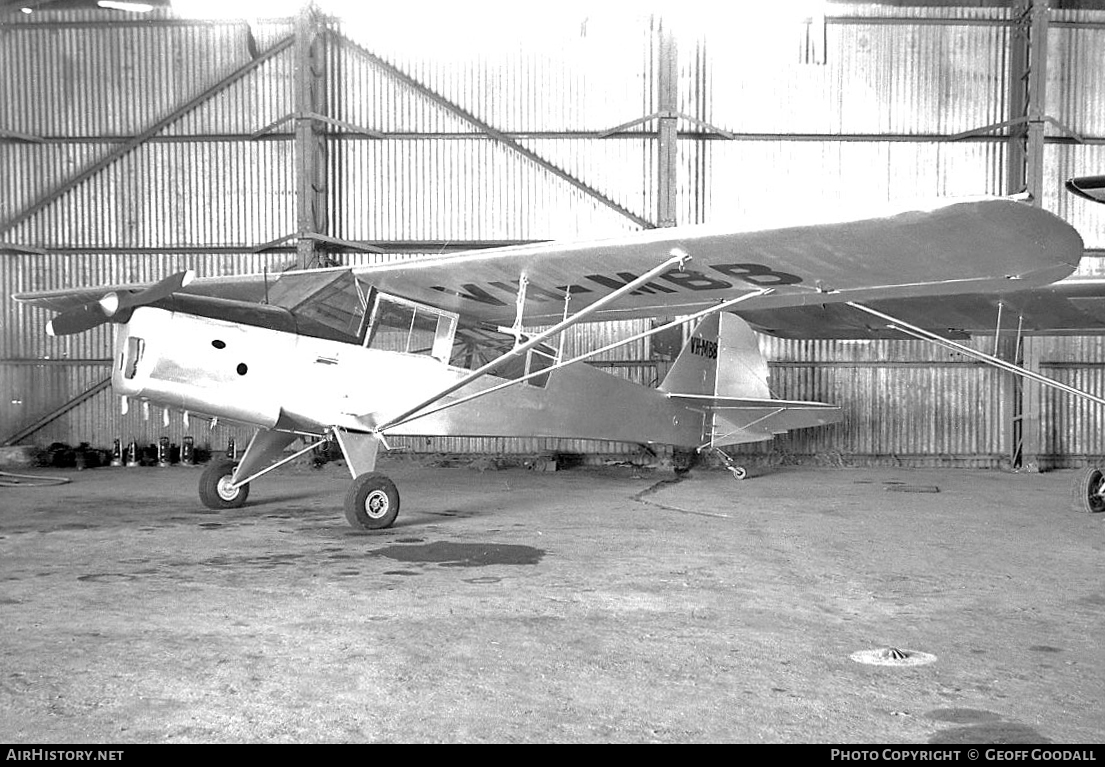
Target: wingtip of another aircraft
1091,188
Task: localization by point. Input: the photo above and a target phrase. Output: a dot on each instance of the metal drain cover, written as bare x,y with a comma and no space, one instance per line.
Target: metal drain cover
892,656
912,488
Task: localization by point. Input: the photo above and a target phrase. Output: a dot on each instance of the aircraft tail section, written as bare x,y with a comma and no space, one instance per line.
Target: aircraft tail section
722,371
722,358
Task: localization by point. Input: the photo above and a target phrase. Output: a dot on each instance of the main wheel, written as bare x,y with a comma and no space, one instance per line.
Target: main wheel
1088,489
215,489
372,502
738,472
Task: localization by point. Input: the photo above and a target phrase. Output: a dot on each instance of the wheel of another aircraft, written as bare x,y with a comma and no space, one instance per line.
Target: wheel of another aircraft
372,502
215,490
1088,490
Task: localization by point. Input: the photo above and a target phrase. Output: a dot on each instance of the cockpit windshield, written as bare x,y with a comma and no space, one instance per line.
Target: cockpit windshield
325,304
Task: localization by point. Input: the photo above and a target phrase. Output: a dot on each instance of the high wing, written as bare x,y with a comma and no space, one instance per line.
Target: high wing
1074,306
977,246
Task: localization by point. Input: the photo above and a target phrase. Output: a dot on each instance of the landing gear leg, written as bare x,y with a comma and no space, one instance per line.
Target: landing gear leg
220,484
738,472
1088,491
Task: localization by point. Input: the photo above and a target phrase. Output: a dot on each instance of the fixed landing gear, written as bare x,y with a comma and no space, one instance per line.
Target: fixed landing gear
372,502
1088,491
684,460
738,472
216,487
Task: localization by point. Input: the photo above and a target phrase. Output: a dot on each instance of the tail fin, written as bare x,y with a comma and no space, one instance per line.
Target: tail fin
721,359
722,371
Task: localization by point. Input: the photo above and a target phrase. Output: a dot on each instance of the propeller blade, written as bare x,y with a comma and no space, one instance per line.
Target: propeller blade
96,313
113,303
77,320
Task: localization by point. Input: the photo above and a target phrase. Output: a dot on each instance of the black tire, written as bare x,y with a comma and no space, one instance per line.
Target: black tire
372,502
1086,491
213,491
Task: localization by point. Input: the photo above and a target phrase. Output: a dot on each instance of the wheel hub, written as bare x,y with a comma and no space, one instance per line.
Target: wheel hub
376,504
226,489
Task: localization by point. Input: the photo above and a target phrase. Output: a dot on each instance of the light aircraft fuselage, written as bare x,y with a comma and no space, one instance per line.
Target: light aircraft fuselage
276,379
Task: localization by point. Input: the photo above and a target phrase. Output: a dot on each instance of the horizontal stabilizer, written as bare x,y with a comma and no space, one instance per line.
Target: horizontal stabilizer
737,420
736,425
739,403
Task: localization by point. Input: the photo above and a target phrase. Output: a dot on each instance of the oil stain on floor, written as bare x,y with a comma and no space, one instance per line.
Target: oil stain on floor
449,554
977,726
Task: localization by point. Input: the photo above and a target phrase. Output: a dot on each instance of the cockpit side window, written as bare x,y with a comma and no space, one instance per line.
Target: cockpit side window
477,345
398,325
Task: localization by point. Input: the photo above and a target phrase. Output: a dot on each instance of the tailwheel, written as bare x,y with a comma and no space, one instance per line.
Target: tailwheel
738,472
372,502
216,491
1089,491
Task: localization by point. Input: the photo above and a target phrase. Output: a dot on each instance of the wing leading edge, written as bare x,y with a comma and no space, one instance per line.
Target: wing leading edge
979,246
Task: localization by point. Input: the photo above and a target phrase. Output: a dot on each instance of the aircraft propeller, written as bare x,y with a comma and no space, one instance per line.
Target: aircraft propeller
96,313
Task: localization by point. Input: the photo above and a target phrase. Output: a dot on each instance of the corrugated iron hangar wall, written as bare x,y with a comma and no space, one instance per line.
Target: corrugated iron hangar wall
131,147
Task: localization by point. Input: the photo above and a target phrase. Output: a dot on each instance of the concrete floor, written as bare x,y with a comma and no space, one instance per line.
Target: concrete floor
581,606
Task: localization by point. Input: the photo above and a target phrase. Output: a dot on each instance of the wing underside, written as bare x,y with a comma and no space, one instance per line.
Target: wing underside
1070,307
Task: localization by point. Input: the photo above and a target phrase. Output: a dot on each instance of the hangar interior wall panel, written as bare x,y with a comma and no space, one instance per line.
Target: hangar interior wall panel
862,113
162,195
847,174
912,78
1075,67
1068,429
567,80
1067,160
472,189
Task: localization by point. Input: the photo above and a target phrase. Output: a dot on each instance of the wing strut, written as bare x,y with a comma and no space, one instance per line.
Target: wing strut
677,260
989,359
586,355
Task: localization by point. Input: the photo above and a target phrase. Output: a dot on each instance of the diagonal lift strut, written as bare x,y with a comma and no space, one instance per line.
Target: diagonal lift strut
989,359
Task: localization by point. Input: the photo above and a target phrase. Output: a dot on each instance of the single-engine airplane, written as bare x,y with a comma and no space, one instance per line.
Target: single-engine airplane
443,346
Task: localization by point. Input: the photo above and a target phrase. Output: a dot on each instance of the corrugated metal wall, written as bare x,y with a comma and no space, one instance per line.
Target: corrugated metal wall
860,107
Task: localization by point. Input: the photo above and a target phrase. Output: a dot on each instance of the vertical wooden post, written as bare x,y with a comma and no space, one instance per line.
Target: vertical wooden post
310,144
1016,146
1037,99
1034,183
668,96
